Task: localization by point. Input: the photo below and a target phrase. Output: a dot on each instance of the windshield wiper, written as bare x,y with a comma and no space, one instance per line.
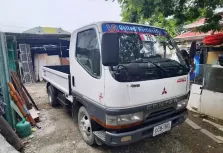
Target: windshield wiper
138,61
181,66
157,66
147,61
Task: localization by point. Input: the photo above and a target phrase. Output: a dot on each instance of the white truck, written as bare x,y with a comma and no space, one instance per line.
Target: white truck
125,82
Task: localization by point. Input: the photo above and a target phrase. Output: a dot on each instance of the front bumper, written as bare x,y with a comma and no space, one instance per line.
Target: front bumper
114,139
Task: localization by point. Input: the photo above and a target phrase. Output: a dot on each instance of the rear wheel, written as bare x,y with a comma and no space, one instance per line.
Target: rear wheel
52,96
84,123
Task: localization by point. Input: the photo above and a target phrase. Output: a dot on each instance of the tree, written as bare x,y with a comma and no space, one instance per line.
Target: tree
172,14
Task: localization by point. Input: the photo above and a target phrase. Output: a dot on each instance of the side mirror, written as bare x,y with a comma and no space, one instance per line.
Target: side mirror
110,49
220,60
186,57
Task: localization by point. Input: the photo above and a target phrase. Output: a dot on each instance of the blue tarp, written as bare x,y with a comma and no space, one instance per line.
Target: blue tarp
197,68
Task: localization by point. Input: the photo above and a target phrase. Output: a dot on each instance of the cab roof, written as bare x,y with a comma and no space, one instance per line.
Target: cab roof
99,24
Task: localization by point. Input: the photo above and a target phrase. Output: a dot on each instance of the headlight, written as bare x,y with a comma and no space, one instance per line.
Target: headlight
182,104
124,119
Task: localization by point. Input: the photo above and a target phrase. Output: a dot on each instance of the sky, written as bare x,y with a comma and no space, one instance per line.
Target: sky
21,15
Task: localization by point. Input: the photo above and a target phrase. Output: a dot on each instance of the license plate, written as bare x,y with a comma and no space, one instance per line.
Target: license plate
162,128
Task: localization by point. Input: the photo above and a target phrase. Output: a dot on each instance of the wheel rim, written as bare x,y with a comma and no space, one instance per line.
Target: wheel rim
85,126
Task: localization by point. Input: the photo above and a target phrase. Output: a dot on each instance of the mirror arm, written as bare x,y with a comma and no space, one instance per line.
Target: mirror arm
111,67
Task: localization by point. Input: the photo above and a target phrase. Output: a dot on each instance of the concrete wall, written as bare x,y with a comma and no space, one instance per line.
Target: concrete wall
206,102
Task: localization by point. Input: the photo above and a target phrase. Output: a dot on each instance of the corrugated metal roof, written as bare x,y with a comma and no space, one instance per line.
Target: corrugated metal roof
190,35
198,23
46,30
195,24
34,39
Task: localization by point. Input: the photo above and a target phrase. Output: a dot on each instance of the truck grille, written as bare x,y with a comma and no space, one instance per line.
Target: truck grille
159,114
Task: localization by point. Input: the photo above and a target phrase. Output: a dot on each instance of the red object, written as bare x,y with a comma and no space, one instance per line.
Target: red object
196,23
181,80
215,39
100,97
191,34
164,91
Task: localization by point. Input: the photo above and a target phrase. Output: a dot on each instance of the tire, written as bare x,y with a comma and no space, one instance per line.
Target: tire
75,108
52,96
84,124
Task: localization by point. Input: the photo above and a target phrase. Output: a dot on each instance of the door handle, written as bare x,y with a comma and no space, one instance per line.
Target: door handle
73,81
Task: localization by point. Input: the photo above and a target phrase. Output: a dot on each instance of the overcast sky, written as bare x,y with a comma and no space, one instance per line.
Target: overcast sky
20,15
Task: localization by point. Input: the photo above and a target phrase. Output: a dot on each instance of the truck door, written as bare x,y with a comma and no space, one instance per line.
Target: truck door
85,65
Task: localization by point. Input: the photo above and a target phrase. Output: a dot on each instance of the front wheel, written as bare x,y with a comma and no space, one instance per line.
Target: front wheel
84,123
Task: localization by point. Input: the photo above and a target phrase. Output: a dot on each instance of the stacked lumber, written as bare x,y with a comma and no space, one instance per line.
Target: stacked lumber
23,100
25,107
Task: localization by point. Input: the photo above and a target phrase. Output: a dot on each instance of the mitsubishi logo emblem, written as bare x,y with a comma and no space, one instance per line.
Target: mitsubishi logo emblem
164,91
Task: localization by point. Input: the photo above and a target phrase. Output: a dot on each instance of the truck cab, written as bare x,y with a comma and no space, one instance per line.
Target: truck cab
127,82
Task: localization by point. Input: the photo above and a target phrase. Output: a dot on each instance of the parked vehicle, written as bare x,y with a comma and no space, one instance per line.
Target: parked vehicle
126,81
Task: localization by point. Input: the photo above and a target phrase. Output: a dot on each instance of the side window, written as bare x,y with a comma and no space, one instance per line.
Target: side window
87,51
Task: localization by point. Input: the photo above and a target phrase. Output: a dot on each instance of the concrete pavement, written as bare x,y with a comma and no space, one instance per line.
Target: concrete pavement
5,147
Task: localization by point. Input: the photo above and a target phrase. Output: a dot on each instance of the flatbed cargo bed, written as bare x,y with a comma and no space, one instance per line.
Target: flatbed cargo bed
58,76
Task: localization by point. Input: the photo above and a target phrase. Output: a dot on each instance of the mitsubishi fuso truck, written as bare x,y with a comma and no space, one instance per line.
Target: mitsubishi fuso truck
125,82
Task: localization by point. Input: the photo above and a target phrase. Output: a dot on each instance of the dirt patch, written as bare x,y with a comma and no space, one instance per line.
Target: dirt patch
38,93
59,134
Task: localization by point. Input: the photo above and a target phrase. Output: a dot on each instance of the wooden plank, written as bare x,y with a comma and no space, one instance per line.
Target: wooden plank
13,105
25,91
19,88
53,60
30,98
42,62
21,105
34,114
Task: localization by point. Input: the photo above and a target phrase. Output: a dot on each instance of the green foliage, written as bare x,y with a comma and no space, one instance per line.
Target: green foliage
158,12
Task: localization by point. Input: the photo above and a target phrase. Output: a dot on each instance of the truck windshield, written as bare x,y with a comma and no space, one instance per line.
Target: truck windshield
145,53
142,47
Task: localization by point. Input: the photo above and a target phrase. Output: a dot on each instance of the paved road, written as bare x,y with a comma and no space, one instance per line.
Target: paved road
59,134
